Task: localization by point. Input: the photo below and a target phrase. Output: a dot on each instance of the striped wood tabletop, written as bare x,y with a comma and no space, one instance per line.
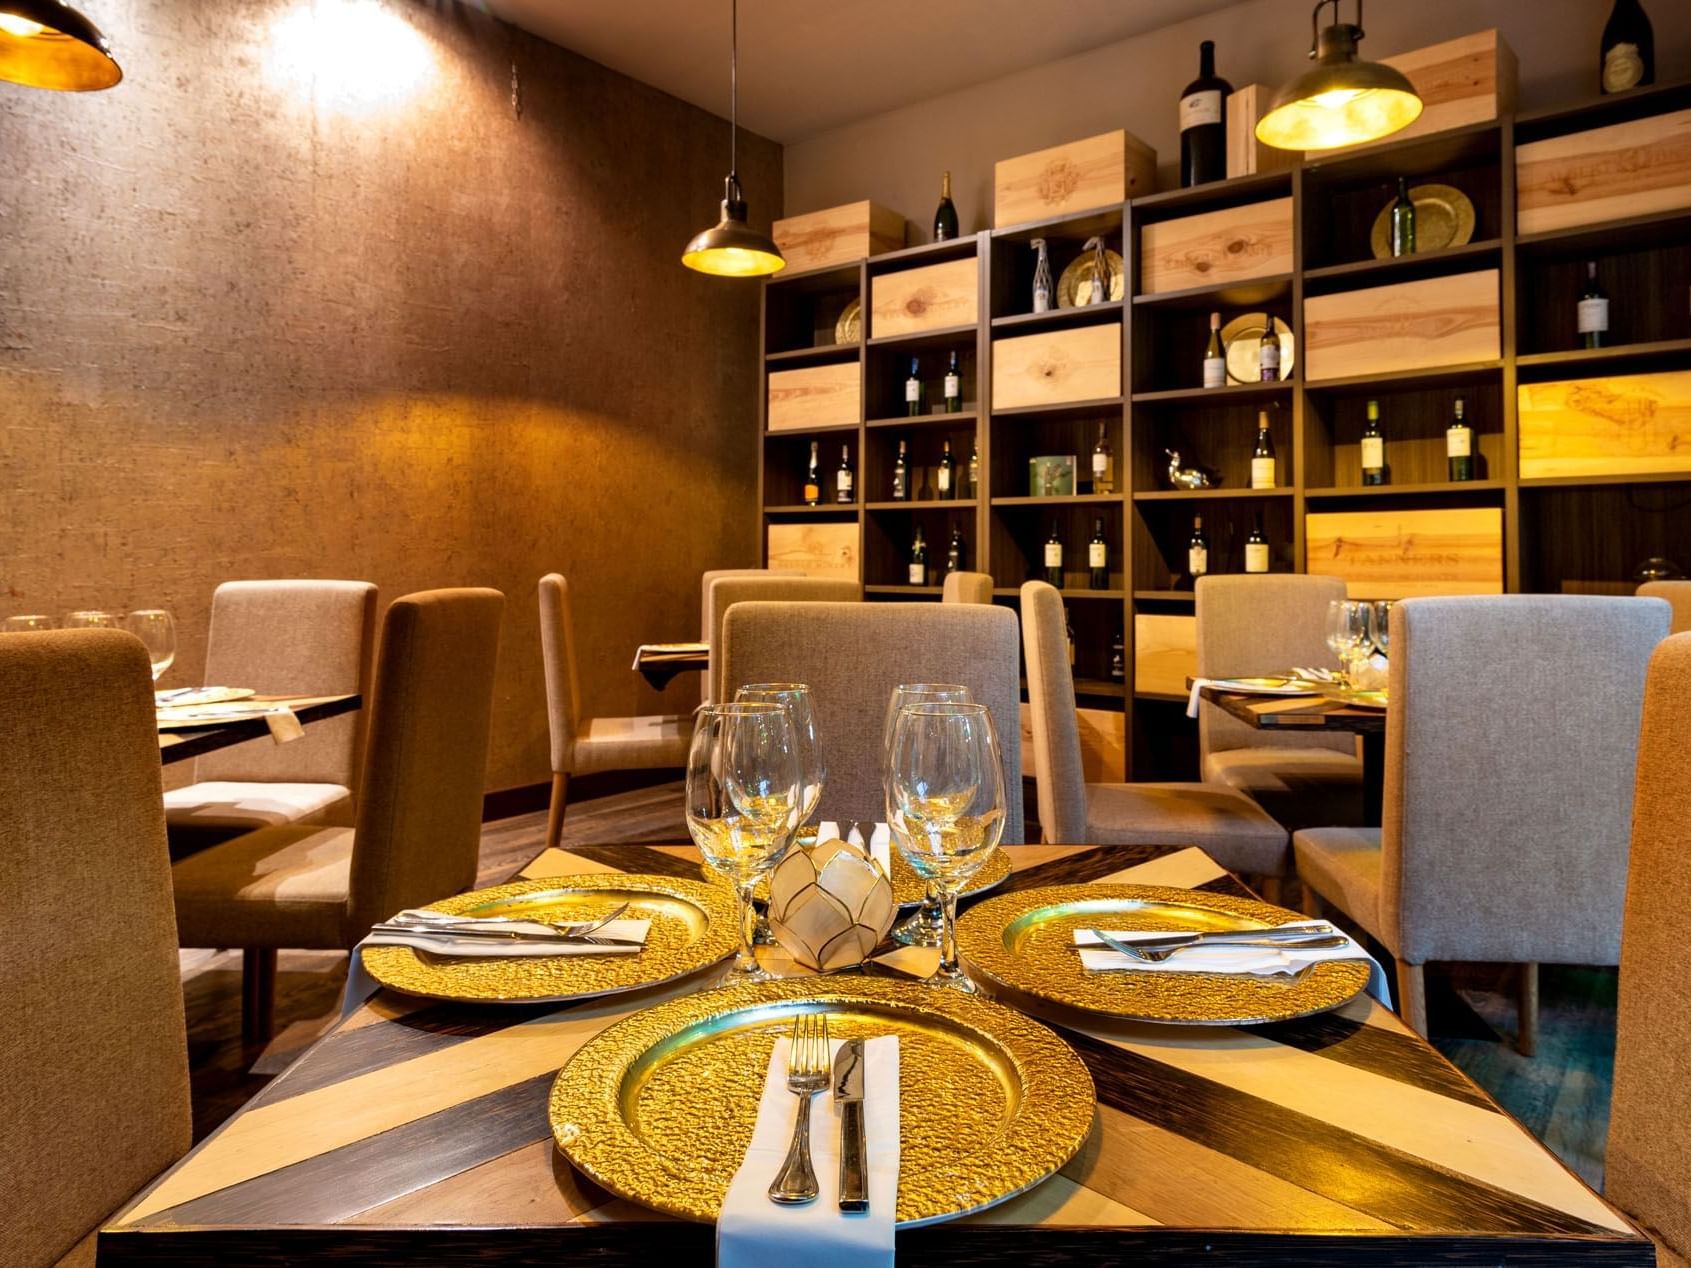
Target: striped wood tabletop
180,744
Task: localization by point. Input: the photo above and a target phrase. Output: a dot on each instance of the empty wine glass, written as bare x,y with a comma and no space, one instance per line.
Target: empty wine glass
23,624
946,804
1380,624
1347,631
922,928
813,771
91,619
157,631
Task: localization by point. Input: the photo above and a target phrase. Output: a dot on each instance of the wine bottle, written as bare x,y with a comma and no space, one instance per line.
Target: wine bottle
1054,557
918,560
1459,445
1041,278
974,468
813,480
945,219
1203,123
1593,310
1403,221
947,470
1103,463
913,389
843,477
953,387
1627,55
954,552
1256,549
1215,356
1098,558
1118,659
1068,633
1373,448
1198,549
1262,457
1268,359
901,474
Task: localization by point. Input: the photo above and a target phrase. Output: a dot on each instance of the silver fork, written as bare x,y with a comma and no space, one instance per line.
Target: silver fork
807,1074
430,919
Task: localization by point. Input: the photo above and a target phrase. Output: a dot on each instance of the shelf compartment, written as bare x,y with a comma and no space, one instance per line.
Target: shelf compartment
1582,178
1403,326
1426,489
1056,367
1661,353
822,352
1076,499
1382,552
786,461
888,371
1232,394
1208,495
1085,315
1227,249
1066,408
1247,295
799,321
1162,530
933,299
926,339
1424,157
1016,440
963,417
1219,435
925,447
814,396
820,509
888,534
1339,213
1432,377
1413,421
1019,534
1013,262
1646,288
1640,520
1341,277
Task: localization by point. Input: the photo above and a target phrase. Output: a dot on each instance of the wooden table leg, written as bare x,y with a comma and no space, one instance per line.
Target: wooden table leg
1373,777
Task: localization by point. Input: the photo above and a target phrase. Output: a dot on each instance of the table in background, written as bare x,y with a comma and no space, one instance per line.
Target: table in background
1293,714
660,668
180,743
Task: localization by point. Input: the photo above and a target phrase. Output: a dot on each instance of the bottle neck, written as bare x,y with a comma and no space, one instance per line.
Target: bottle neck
1206,60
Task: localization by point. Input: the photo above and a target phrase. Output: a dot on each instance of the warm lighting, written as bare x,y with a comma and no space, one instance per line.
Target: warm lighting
48,44
1341,100
349,54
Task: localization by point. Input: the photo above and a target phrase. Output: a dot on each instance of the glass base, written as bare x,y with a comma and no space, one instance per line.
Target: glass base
737,976
953,980
763,936
922,928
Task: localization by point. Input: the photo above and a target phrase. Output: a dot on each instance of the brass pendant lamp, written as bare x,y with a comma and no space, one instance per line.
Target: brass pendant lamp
732,248
1341,100
48,44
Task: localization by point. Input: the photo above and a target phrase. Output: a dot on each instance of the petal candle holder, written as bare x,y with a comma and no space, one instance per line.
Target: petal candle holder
830,906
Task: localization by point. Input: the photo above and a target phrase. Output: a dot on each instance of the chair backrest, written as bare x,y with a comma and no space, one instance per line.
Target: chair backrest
1648,1165
966,587
1509,771
94,1055
707,627
1057,765
725,592
419,815
853,654
307,638
1678,595
1262,625
563,682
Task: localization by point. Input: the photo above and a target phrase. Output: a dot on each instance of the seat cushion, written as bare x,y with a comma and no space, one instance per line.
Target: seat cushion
1300,787
647,743
277,887
81,1255
203,814
1227,825
1343,866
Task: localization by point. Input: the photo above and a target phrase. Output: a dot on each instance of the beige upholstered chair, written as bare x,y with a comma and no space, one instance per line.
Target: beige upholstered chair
586,746
725,592
707,627
1678,595
1228,825
419,807
966,587
1648,1166
295,637
94,1058
853,654
1509,771
1264,625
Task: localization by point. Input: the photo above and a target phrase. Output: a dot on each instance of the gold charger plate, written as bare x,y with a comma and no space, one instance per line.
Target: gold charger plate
908,887
1023,941
692,928
1360,699
659,1108
1279,685
1074,287
849,327
1242,340
1444,217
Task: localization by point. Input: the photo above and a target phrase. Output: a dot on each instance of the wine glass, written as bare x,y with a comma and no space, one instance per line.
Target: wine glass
157,631
923,926
946,804
813,771
1380,624
743,799
1347,631
90,619
23,624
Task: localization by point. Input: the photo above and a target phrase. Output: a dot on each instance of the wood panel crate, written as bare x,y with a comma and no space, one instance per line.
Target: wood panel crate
1057,367
928,298
1626,169
1405,554
1098,171
1470,79
1247,156
1408,326
1165,654
816,549
838,235
816,396
1231,245
1103,744
1635,424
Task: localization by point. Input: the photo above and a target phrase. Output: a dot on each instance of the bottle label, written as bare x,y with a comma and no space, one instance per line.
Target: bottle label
1042,299
1622,68
1373,453
1270,362
1053,554
1200,108
898,486
812,491
1459,442
1256,556
1100,466
945,479
844,483
1197,560
1593,316
1215,372
1262,473
918,574
912,391
953,387
1097,555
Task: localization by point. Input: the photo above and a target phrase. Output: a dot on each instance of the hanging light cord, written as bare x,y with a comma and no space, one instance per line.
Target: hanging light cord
734,89
1315,21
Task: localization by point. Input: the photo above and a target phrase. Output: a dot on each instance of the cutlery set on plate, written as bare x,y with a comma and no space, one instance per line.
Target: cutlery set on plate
807,1074
1156,948
419,923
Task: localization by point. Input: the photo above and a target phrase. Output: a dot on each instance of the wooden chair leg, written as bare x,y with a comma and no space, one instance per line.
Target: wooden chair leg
1311,904
1526,1040
1412,992
1271,890
555,815
258,994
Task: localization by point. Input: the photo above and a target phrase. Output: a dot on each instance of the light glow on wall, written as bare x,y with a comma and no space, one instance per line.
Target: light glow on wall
349,55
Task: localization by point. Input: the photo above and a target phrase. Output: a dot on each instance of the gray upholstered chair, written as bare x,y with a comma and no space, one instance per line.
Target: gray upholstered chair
725,592
853,654
1229,826
1678,595
966,587
1509,770
294,637
94,1061
1648,1164
707,627
586,746
418,834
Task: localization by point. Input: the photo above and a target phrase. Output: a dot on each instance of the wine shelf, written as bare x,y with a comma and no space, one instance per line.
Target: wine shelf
1068,592
1065,409
923,339
1598,481
1337,277
1438,376
1070,499
1208,495
1242,295
1085,315
925,504
823,508
1233,392
818,355
925,420
1625,357
1447,488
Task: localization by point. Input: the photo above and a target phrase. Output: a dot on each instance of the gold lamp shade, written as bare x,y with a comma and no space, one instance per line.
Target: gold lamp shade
733,248
48,44
1341,100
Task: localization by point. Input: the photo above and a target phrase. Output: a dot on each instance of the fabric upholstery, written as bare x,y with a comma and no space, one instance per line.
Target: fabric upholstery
1678,595
82,1254
707,624
1648,1163
1058,769
966,587
1300,787
226,808
853,654
285,886
88,964
725,592
1343,866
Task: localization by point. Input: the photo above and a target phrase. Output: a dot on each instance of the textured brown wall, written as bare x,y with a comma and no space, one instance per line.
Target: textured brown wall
255,324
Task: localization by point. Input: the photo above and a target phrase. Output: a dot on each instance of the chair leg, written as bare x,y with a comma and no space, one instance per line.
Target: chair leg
1271,890
258,994
1412,990
1312,906
555,815
1526,1003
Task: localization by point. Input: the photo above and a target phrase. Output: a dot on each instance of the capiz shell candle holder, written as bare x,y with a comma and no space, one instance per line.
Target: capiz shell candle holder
830,906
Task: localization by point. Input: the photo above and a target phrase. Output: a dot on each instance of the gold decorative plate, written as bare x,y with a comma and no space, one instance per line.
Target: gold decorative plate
692,928
659,1108
1269,686
1074,287
1444,217
1359,699
1242,339
849,328
1024,942
908,887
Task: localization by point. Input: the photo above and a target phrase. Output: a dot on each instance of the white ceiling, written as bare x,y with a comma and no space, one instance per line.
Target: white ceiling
809,65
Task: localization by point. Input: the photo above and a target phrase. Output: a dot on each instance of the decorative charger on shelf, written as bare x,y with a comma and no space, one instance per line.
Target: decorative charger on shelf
1444,217
1074,287
830,905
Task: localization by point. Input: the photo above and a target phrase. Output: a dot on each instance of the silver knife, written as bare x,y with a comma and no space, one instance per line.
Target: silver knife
848,1099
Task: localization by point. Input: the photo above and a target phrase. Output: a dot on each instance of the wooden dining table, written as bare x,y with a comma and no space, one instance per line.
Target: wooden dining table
661,663
178,744
417,1132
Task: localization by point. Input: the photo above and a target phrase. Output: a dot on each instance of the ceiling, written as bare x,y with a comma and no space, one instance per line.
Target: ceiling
809,65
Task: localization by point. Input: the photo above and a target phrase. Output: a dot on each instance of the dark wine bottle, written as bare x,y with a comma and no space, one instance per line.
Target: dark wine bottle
1403,221
945,218
1118,659
1459,445
1198,550
953,386
901,475
813,480
1054,557
1268,358
1203,123
1256,549
1593,310
1098,558
1373,448
918,575
843,480
1627,55
913,389
954,552
947,475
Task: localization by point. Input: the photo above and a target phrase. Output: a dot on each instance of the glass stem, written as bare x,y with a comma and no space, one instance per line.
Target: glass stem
948,932
745,959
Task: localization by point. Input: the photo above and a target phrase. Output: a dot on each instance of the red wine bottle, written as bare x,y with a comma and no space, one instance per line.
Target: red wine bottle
1203,123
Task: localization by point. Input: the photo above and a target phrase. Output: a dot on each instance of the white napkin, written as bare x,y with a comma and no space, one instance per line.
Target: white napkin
753,1232
880,841
1256,961
1192,696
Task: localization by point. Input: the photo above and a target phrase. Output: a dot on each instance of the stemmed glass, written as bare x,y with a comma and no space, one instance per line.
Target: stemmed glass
922,927
743,799
157,631
89,619
23,624
1347,632
946,804
813,771
1380,624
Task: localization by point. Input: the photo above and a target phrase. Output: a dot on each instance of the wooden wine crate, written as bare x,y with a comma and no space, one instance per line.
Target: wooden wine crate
1404,554
838,235
1231,245
816,549
929,298
1625,169
1103,745
1084,175
1165,654
815,396
1470,79
1408,326
1057,366
1635,424
1247,156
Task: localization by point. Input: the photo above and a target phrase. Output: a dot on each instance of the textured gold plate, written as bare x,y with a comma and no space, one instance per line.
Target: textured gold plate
1444,217
1359,699
1076,281
1024,941
908,887
692,927
849,327
659,1108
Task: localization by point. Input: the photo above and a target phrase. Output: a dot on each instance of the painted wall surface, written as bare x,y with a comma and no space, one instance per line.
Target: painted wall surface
896,158
375,289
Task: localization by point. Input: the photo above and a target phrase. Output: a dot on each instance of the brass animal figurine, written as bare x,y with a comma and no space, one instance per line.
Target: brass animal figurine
1195,476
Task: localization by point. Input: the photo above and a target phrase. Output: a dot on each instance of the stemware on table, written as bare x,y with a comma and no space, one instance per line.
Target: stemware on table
1380,624
922,927
1348,635
25,623
813,771
92,619
157,631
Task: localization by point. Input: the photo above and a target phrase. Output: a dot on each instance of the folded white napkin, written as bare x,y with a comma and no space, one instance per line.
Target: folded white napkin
880,840
753,1232
1192,696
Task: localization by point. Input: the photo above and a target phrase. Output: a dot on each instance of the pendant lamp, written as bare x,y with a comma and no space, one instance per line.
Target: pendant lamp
48,44
1341,100
732,248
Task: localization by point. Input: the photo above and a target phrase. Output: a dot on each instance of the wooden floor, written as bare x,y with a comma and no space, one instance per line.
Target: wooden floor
1562,1095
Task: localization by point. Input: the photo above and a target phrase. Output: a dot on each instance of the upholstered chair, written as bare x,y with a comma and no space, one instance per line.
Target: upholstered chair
1648,1165
852,655
418,832
94,1054
304,638
725,592
967,587
1509,769
1678,595
707,627
587,746
1235,831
